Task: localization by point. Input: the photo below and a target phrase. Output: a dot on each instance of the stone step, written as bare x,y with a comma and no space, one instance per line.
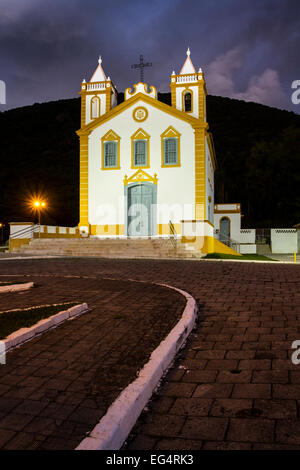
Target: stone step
111,248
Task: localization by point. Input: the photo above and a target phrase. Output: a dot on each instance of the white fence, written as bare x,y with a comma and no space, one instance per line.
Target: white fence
247,235
284,240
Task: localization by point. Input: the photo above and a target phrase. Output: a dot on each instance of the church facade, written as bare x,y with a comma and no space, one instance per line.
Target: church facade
145,165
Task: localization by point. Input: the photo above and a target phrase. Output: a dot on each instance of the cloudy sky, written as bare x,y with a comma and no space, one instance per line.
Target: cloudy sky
248,49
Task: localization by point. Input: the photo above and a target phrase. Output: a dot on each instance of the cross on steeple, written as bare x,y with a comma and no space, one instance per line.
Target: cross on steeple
141,66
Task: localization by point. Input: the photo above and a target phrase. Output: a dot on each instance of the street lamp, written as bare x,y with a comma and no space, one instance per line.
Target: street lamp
1,228
39,205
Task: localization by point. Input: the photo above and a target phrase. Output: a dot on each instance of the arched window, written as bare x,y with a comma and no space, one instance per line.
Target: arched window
187,101
95,107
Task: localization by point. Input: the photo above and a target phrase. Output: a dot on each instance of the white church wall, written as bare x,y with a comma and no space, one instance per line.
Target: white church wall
114,100
235,223
102,98
284,240
106,188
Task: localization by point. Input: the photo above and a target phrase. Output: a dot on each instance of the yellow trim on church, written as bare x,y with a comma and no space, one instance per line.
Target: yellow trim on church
140,134
139,177
83,181
170,132
188,90
95,98
110,136
200,172
195,122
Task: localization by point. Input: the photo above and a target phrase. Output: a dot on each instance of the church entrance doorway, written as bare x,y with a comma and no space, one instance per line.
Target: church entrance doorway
140,210
224,228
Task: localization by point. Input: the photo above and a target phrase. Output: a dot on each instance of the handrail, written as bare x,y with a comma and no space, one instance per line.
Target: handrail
173,235
235,245
26,231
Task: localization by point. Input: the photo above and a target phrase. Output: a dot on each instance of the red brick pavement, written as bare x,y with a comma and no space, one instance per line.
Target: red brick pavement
234,386
55,388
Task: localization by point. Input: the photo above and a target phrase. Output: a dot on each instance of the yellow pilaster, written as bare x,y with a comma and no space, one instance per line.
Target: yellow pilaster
173,95
201,99
83,181
83,109
200,174
108,100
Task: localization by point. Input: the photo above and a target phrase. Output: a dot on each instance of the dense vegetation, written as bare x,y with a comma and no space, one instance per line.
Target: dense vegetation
257,149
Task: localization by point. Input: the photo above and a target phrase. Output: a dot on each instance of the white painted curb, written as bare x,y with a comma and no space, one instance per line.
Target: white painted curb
26,334
16,287
113,429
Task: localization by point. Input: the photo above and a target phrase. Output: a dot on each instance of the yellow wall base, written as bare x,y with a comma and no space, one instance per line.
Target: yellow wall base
56,235
107,230
209,245
18,242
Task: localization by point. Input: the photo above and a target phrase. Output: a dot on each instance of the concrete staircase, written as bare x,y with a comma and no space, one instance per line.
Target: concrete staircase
111,248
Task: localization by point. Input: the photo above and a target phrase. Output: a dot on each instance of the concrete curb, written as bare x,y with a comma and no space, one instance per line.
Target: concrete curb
115,426
275,262
16,287
26,334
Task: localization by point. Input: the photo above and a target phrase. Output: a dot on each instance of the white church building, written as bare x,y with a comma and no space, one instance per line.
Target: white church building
146,166
147,172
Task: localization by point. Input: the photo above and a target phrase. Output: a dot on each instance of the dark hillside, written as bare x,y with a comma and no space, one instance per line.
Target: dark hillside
257,149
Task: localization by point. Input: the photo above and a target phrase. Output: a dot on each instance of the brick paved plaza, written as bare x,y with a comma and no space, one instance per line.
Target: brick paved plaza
234,386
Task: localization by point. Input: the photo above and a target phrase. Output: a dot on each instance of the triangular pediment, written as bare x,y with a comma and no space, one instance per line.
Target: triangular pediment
139,177
170,132
111,135
140,134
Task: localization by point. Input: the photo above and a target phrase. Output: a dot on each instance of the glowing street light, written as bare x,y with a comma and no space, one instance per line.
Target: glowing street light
39,205
1,228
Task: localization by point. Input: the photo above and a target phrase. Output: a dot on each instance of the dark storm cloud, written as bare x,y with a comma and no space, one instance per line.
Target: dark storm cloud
248,49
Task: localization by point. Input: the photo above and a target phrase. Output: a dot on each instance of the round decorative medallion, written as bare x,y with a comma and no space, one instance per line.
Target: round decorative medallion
140,114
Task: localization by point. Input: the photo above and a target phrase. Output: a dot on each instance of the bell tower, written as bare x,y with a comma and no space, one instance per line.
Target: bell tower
98,96
188,90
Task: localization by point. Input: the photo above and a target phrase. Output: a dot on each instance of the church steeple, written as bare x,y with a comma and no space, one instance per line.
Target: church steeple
99,75
188,90
98,95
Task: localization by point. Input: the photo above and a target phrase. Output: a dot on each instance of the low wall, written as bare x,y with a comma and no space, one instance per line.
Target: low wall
247,235
50,231
248,249
284,240
21,233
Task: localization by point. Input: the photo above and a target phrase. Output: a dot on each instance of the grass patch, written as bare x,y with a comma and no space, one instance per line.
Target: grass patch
240,258
13,320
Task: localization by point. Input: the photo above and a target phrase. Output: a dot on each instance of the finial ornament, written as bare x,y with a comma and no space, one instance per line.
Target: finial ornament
200,70
188,52
173,73
84,81
99,60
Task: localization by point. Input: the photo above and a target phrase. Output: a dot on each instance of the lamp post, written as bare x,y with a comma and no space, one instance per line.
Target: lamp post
1,228
39,205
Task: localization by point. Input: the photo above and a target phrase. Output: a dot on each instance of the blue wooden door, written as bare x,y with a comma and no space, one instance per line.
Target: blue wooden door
225,227
139,210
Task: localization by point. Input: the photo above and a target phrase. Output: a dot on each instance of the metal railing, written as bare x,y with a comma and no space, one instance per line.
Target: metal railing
173,235
235,245
26,231
169,242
